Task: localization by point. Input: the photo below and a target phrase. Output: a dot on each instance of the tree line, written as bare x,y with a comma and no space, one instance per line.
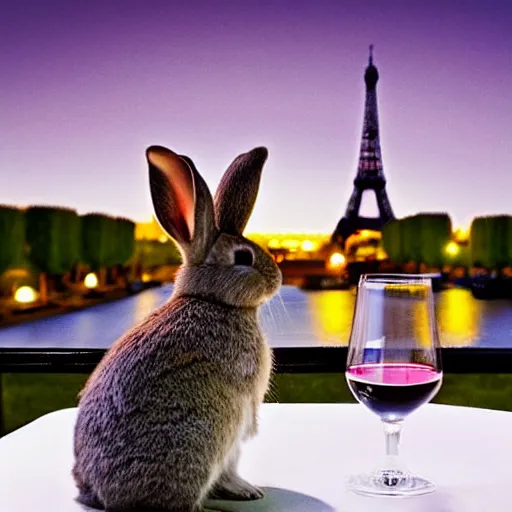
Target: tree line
55,240
423,239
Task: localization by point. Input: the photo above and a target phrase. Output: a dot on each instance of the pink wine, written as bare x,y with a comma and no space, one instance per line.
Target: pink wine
393,390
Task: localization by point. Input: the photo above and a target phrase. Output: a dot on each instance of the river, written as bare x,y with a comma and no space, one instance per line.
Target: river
294,318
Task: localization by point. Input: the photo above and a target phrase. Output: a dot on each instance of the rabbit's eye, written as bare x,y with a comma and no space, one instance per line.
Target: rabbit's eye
244,257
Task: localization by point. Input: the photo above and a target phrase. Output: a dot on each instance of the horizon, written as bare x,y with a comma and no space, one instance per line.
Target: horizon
89,87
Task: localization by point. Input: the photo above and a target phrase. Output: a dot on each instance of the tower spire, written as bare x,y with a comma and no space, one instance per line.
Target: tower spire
370,173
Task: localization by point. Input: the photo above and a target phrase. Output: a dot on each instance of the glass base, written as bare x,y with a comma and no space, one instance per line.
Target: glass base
391,483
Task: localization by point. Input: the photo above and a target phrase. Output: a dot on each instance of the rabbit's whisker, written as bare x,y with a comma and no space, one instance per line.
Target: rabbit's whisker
285,309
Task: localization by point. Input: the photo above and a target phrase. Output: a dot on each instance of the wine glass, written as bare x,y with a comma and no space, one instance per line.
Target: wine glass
393,367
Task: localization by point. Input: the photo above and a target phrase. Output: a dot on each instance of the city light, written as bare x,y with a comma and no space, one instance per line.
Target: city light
308,246
149,230
290,243
461,234
25,295
91,281
452,249
336,260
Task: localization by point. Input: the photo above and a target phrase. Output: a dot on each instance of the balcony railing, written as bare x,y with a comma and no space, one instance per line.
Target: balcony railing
312,359
287,360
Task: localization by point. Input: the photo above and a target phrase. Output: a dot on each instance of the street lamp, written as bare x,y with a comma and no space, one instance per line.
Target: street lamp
452,249
337,260
25,295
308,246
91,281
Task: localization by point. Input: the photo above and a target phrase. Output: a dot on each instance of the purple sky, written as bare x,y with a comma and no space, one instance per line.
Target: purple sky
85,87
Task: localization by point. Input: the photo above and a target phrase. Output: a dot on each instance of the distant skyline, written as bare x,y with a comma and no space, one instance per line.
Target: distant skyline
86,87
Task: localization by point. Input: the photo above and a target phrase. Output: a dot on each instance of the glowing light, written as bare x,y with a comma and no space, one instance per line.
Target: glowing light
162,239
461,234
148,230
337,260
146,277
381,254
274,244
91,281
308,246
290,244
25,295
452,249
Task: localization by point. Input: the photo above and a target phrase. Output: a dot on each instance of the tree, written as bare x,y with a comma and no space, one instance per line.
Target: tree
419,238
125,240
99,243
392,240
491,241
53,239
12,236
435,231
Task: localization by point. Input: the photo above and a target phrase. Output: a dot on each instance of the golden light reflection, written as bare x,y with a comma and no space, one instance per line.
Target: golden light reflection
405,316
25,295
331,314
458,316
422,325
145,304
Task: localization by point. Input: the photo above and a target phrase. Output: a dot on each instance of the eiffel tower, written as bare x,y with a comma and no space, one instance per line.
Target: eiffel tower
370,173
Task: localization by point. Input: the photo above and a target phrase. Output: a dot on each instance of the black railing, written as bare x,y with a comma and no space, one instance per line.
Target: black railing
313,359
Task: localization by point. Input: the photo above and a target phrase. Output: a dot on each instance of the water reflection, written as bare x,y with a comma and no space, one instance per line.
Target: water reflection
458,317
293,318
287,319
332,313
422,324
148,303
113,321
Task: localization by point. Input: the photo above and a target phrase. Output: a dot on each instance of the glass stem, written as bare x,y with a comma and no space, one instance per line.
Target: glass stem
392,432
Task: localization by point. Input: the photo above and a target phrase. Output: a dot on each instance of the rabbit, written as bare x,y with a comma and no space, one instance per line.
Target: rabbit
161,419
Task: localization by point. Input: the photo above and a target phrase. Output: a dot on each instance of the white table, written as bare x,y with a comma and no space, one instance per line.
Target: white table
303,453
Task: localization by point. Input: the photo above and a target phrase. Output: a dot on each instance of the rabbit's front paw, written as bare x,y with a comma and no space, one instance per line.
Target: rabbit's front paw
233,487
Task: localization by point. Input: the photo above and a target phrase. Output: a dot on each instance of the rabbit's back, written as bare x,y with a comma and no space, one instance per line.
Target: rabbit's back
169,399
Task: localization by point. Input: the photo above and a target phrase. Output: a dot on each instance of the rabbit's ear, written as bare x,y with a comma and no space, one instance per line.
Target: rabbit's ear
183,204
237,191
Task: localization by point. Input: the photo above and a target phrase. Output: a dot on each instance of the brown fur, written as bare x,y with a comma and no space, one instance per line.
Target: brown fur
161,419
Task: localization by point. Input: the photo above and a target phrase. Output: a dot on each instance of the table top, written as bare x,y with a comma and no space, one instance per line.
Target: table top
301,457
